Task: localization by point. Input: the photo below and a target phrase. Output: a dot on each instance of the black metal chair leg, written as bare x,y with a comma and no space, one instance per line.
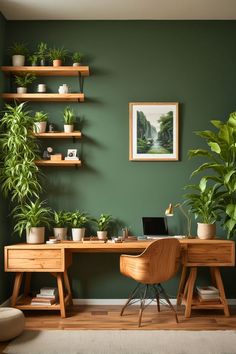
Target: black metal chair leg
169,303
142,305
130,298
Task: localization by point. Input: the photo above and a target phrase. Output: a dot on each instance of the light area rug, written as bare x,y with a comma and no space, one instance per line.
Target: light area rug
123,342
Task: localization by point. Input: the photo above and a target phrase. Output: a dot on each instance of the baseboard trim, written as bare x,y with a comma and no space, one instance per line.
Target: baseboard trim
107,302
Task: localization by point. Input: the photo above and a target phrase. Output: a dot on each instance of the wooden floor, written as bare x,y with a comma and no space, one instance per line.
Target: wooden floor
108,317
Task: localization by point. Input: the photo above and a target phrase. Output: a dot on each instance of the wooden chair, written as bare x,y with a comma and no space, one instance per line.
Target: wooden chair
155,265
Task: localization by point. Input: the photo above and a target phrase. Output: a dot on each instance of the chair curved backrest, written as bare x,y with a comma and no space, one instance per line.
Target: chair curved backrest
156,264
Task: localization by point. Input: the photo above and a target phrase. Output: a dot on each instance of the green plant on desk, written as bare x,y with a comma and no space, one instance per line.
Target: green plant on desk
61,218
103,221
78,219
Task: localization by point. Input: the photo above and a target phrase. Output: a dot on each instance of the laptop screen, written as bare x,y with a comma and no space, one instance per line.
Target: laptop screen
155,226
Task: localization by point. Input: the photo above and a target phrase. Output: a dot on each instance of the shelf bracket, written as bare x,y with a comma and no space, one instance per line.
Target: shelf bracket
81,82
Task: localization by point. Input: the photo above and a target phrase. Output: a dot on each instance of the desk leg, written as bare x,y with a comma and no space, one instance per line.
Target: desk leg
67,286
181,285
191,283
16,288
61,295
220,286
27,284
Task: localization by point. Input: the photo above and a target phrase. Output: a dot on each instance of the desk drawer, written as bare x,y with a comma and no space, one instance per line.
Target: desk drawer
34,260
209,254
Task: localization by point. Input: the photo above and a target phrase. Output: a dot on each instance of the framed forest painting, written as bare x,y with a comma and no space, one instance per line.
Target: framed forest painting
154,131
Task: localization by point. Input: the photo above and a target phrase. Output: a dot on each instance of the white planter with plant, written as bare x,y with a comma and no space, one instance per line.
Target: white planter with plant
57,55
61,220
69,120
23,80
18,50
40,122
76,58
102,224
205,202
32,217
78,221
42,53
33,59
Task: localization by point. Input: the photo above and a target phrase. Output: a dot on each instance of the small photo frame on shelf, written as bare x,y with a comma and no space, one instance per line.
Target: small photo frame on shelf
154,131
71,154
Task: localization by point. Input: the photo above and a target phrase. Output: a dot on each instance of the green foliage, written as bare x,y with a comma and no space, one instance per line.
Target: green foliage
18,48
57,53
76,57
42,50
33,59
69,117
205,202
221,165
24,79
18,174
32,214
165,135
145,133
103,221
78,219
61,218
40,117
143,145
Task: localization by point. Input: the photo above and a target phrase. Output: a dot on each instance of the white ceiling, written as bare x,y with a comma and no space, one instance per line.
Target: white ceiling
118,9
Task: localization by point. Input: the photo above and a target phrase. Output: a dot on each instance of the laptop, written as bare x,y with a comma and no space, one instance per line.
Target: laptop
155,227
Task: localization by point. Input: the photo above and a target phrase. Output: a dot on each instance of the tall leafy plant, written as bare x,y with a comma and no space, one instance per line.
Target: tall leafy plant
18,174
221,165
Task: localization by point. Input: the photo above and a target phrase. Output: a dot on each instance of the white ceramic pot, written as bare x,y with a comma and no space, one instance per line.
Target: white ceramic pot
18,60
41,88
68,128
21,89
76,64
40,127
60,233
102,235
35,235
206,231
78,234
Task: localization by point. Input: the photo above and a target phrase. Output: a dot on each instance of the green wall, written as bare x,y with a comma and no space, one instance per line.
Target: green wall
4,239
190,62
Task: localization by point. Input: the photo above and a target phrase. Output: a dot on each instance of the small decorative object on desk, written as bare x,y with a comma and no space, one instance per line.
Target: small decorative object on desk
56,157
71,154
51,128
47,153
125,232
63,89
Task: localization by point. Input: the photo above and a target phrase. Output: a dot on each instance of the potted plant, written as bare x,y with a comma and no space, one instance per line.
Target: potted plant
23,80
18,51
57,55
32,217
33,59
19,175
78,221
76,58
206,205
61,220
42,52
102,224
220,165
69,120
40,122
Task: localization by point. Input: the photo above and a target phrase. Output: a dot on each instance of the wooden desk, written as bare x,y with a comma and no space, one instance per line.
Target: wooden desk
55,259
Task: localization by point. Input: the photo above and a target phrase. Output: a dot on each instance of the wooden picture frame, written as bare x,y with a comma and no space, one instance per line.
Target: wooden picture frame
154,131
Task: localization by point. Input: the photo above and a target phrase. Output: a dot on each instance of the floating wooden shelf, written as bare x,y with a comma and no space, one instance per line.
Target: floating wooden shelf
59,135
53,97
62,163
48,70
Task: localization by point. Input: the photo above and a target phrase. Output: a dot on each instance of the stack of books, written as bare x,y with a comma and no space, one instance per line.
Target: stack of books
208,293
46,297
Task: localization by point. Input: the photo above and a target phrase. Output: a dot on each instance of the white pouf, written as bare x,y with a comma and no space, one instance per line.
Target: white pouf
12,323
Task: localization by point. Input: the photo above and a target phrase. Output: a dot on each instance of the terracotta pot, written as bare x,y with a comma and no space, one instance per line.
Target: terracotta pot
57,62
102,235
206,231
35,235
78,233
